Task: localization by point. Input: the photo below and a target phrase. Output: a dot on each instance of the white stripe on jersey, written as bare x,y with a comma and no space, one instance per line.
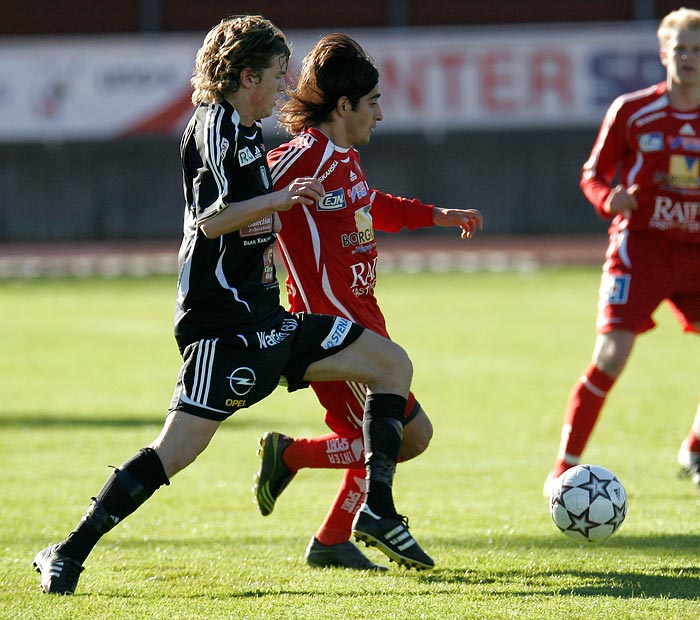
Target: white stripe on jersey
315,237
213,147
590,166
326,284
185,256
328,151
221,276
658,104
283,163
292,153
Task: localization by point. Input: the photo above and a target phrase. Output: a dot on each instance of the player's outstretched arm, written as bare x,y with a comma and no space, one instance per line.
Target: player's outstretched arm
236,215
469,220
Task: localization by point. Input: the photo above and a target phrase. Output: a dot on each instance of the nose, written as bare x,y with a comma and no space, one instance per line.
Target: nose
378,112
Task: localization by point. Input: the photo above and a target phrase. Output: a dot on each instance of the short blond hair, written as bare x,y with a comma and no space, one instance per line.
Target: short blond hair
236,43
680,19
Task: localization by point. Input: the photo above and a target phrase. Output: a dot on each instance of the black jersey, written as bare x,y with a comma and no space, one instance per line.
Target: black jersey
226,285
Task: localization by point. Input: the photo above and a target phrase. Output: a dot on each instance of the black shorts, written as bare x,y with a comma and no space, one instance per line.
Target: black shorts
224,374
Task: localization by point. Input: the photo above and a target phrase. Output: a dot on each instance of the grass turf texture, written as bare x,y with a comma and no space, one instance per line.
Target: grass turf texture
88,367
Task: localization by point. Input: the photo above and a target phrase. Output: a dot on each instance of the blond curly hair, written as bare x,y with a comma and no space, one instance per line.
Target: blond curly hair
236,43
681,19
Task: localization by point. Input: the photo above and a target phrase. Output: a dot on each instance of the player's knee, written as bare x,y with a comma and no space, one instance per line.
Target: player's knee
416,437
175,461
611,361
402,365
612,351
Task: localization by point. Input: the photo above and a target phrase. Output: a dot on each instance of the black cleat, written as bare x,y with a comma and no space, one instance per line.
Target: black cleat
273,476
392,538
59,573
342,555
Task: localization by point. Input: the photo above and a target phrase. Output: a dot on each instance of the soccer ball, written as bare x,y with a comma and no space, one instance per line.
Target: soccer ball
588,502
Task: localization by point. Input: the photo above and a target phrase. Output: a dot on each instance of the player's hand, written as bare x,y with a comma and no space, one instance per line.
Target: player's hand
622,199
304,190
469,220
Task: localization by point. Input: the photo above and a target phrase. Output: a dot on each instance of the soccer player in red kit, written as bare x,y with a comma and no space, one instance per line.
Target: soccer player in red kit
331,258
650,140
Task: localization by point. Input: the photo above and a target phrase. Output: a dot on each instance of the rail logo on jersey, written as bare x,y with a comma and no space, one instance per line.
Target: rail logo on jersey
678,214
364,277
245,157
683,172
365,231
332,201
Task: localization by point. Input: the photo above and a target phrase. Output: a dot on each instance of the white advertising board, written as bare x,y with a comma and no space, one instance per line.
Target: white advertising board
432,80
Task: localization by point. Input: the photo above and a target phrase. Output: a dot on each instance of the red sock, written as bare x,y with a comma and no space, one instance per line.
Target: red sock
582,411
337,526
693,440
325,452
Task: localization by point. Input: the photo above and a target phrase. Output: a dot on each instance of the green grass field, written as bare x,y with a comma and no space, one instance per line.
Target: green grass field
87,370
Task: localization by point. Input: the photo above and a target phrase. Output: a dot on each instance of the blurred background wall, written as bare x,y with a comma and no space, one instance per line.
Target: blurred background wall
493,105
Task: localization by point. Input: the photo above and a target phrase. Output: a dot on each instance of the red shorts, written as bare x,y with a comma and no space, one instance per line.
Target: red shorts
640,272
345,404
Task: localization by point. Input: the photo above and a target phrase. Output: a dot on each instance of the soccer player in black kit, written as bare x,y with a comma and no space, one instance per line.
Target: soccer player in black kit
238,344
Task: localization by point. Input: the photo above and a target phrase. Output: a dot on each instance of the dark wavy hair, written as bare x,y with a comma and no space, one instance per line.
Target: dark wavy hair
236,43
337,66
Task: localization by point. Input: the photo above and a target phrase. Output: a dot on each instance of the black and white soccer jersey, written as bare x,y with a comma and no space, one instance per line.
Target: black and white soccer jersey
227,284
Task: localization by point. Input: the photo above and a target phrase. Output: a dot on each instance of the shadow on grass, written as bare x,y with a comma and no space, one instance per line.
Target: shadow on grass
618,544
679,581
672,582
101,420
682,584
67,421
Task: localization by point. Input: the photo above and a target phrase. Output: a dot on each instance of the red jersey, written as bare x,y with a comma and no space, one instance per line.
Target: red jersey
647,142
329,248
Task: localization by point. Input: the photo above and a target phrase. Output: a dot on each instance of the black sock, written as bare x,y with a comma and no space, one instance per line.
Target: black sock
382,428
127,488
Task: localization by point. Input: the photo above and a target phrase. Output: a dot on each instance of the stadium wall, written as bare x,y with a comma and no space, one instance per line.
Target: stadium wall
522,181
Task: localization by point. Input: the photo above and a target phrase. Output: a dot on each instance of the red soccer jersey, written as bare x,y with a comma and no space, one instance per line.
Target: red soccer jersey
647,142
329,248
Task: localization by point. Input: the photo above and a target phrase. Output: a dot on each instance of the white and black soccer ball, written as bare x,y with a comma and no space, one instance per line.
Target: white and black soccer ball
588,502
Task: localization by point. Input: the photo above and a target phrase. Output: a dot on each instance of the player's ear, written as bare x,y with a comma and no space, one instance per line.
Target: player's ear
246,78
343,105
